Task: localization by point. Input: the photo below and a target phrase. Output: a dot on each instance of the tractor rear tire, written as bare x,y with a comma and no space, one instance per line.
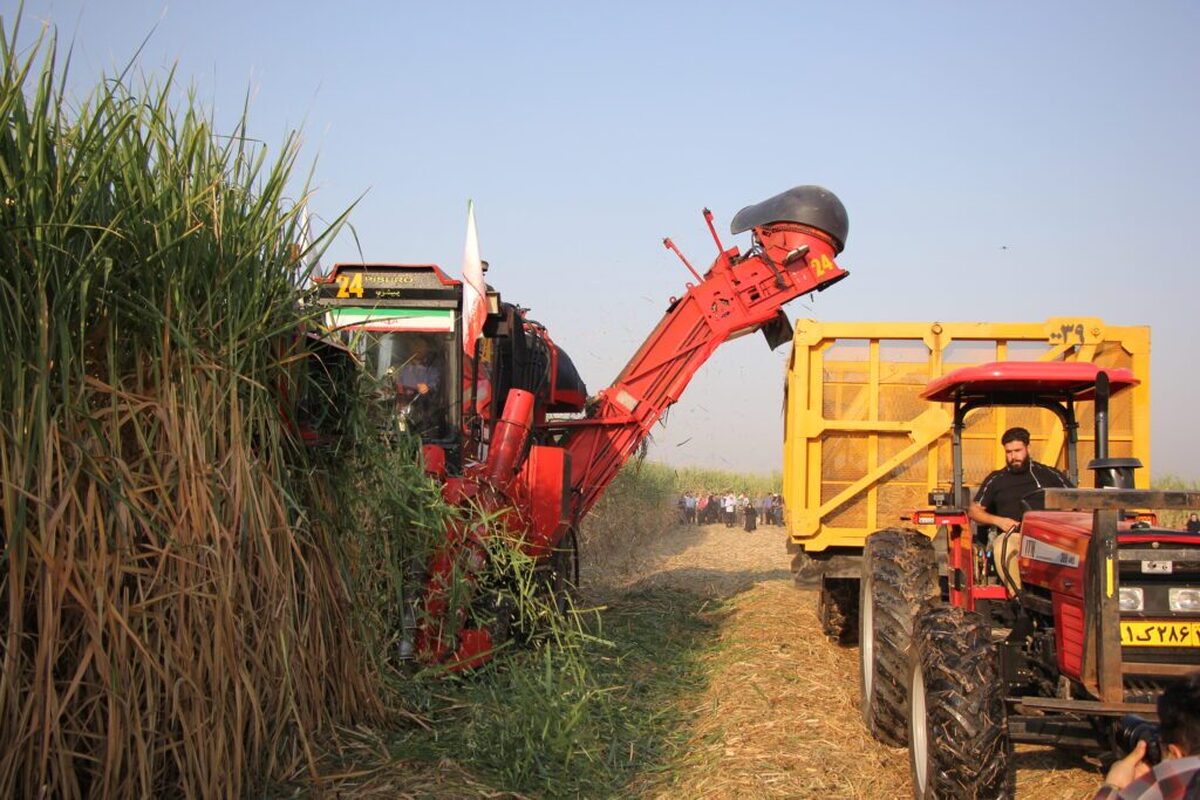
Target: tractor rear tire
899,573
958,731
837,608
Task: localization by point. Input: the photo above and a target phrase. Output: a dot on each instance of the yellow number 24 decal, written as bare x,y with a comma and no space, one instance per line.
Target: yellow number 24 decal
350,286
820,264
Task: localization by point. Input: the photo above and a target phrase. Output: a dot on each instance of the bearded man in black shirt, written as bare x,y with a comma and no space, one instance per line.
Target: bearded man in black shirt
999,499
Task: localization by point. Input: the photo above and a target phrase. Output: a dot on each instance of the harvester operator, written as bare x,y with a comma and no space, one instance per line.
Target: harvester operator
418,386
1005,494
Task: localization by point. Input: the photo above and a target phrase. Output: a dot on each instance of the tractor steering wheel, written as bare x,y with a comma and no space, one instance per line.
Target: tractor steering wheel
1027,506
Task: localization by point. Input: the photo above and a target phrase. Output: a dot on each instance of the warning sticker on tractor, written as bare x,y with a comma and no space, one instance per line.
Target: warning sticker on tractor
1160,634
1041,551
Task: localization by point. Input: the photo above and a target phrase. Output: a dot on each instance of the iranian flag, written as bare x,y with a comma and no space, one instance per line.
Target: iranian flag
474,289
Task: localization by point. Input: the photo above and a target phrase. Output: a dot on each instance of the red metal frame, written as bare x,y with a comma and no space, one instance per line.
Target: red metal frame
960,557
737,295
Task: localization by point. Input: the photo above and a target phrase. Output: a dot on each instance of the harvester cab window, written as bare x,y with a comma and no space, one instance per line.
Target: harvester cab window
412,370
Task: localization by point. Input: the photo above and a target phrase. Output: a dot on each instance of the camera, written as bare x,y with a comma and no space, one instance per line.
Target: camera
1133,729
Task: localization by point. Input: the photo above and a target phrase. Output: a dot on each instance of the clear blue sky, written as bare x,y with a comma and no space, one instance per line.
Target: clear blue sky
1066,132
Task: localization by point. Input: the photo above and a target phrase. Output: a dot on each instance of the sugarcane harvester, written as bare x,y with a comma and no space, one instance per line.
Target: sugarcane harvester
506,424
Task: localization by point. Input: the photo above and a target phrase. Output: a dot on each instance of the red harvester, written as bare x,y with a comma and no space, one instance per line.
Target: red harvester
510,428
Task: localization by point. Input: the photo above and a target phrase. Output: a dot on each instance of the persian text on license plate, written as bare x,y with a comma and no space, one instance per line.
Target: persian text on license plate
1160,634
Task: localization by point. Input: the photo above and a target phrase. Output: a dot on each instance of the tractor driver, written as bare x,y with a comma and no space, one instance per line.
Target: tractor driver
1003,496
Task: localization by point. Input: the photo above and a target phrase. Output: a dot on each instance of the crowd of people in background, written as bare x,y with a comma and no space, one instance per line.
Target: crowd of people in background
699,508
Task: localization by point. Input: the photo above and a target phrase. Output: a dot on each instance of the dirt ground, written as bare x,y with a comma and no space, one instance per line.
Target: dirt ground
780,715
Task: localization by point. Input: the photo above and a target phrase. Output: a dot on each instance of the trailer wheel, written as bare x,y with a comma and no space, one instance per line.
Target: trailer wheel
958,730
806,570
837,608
899,572
563,579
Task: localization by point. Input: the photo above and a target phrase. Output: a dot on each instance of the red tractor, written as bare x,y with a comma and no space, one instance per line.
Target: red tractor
507,425
960,659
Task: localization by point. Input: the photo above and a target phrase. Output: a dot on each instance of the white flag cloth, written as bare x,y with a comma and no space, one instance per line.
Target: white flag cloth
474,289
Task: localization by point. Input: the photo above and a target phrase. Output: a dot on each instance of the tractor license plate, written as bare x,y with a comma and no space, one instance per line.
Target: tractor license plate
1160,634
1157,567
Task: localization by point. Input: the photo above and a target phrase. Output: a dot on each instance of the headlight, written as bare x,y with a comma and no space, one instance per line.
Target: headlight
1131,598
1184,599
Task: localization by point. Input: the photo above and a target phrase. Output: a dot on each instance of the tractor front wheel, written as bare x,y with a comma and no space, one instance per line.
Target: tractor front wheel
958,732
899,572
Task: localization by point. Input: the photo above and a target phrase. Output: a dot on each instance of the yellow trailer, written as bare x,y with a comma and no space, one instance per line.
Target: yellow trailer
861,448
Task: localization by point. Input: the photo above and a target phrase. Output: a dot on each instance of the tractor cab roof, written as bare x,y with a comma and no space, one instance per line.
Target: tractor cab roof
1024,383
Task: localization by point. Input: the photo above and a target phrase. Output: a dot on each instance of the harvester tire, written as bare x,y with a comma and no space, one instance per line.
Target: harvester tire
837,608
958,732
899,573
563,579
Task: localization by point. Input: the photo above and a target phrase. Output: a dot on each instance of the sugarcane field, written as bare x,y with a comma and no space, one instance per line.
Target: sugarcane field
496,401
